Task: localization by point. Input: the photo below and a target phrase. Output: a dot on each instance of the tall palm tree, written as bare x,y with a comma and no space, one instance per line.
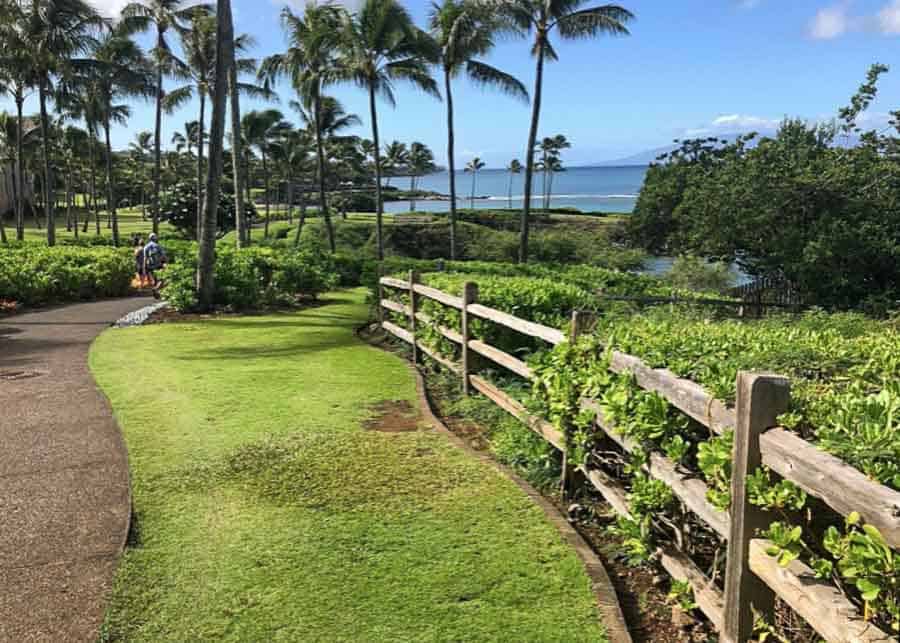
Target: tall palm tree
396,158
19,75
550,148
465,30
262,130
118,70
224,62
142,149
311,64
421,162
514,167
186,140
382,45
541,18
473,166
332,119
160,15
58,31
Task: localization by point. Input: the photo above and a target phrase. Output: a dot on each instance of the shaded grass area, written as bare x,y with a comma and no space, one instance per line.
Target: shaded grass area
264,511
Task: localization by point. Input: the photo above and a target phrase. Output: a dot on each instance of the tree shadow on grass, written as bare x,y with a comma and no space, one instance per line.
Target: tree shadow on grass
284,350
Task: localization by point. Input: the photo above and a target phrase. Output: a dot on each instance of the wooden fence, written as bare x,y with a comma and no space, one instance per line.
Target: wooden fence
752,577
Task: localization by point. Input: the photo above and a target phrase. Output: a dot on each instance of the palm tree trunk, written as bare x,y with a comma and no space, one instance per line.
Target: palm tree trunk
45,147
266,190
451,162
224,61
472,195
68,196
200,125
320,165
110,196
20,172
290,198
157,151
302,215
529,154
236,154
412,199
94,203
509,192
379,236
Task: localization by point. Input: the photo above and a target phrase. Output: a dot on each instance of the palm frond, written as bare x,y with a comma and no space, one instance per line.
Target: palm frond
607,19
487,76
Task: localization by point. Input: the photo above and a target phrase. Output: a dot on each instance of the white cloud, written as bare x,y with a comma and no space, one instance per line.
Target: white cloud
109,8
889,19
829,23
735,123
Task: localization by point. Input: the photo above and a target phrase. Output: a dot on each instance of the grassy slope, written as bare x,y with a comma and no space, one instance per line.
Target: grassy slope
265,511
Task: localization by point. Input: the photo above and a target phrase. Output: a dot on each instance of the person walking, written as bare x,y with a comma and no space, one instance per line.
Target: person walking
138,251
154,260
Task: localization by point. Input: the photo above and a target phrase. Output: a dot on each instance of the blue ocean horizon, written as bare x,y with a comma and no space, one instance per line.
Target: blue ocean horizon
587,188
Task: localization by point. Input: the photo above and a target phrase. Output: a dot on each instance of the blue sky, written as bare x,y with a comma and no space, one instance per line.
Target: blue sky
690,67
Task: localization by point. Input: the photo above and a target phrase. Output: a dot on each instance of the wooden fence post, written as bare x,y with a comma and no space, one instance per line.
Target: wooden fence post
761,398
469,296
413,309
379,271
581,322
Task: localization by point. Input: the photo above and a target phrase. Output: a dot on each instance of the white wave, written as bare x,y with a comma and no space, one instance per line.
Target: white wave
520,197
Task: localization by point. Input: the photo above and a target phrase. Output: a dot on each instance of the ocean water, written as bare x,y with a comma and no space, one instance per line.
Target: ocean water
589,189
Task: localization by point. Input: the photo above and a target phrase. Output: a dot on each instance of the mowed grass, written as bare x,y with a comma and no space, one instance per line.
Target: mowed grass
266,512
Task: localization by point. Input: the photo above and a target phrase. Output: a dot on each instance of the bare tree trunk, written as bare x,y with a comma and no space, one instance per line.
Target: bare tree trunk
290,198
320,160
379,236
302,216
157,152
110,196
267,195
224,61
529,155
237,165
200,126
68,196
45,147
451,162
20,172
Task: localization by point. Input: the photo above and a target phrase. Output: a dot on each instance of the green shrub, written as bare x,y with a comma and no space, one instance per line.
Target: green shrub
32,273
179,207
253,278
694,273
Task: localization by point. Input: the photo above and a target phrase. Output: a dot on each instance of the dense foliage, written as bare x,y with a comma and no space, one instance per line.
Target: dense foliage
179,207
32,273
802,205
253,278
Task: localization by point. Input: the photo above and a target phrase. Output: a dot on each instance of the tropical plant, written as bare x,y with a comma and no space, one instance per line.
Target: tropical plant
473,166
395,160
551,163
310,63
142,149
262,130
541,18
464,30
185,141
160,15
381,45
514,167
420,162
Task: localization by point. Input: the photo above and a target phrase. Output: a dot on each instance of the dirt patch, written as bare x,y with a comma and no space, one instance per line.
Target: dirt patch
394,416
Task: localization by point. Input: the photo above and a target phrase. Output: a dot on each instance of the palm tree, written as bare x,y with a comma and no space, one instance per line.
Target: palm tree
396,158
224,62
185,141
118,69
551,147
571,22
514,167
464,29
332,119
141,149
262,130
160,15
473,166
310,63
420,162
381,45
57,32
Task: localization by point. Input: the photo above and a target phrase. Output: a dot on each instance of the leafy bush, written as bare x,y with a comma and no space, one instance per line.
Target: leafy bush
179,207
253,278
694,273
32,273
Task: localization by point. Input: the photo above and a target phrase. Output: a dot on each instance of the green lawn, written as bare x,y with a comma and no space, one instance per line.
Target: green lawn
266,512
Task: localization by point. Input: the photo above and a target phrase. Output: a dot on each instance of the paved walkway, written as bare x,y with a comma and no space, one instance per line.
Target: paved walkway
64,494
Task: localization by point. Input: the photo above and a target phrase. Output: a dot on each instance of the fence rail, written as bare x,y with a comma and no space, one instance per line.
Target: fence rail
752,577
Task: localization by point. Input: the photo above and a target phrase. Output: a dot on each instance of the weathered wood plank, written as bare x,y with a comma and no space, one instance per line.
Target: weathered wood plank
440,296
761,398
395,330
611,490
505,360
523,326
516,409
819,602
689,489
413,308
687,396
394,283
395,307
452,335
470,295
707,596
440,359
844,488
